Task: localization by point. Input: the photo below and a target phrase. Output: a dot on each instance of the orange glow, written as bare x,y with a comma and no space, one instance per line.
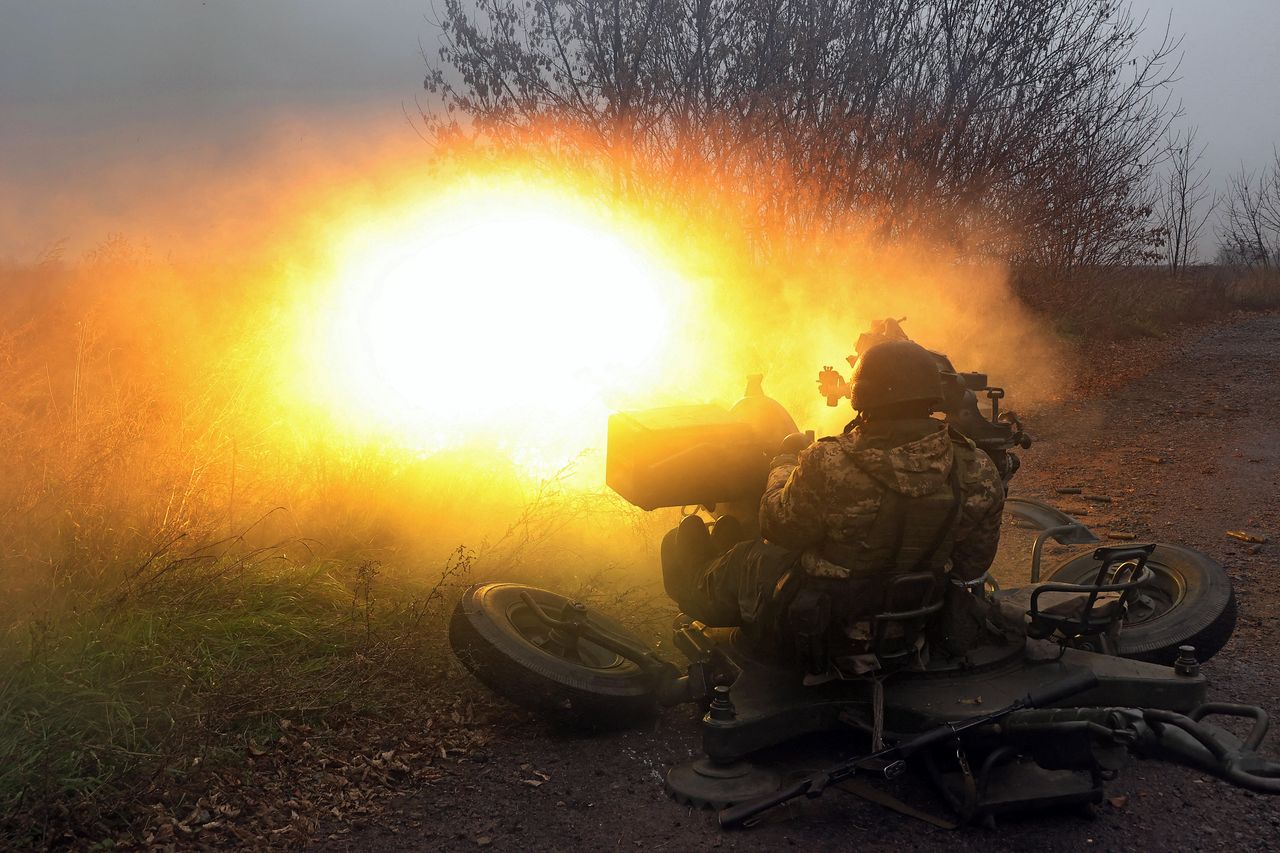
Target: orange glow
506,305
386,354
503,312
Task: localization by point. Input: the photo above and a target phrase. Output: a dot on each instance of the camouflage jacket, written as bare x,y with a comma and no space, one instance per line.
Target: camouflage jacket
833,489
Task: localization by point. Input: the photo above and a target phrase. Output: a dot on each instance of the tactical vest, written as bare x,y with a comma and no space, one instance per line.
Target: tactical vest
909,535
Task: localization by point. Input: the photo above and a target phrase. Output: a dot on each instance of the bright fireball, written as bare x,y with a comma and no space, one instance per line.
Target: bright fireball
505,314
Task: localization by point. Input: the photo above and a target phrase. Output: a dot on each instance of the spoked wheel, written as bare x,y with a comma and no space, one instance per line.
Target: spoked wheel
572,681
1189,601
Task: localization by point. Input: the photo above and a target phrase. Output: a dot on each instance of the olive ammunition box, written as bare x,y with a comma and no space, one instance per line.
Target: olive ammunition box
683,456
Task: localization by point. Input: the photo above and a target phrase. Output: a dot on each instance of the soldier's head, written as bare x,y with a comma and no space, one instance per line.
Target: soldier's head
896,379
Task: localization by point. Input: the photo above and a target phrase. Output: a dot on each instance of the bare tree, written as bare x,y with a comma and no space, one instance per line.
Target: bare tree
1270,208
1250,233
1181,211
1024,128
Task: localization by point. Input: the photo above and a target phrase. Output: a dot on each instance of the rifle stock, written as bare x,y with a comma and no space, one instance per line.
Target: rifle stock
739,814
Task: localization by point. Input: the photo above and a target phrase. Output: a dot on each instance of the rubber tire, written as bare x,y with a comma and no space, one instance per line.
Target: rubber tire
1205,617
492,647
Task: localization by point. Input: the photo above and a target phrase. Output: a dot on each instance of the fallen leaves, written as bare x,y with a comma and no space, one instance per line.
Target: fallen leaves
346,774
209,814
541,777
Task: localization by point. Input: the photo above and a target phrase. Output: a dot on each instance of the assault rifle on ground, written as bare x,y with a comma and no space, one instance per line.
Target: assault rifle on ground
890,762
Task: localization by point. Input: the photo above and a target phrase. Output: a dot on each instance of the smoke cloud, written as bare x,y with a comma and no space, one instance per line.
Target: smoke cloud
150,383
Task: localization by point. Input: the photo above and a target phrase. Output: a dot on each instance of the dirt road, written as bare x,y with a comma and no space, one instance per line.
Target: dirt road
1187,450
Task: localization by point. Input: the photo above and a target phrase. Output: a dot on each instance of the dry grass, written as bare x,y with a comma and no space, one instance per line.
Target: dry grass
1145,301
186,565
195,659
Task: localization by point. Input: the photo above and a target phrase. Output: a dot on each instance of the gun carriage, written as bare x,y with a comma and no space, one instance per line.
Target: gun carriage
1107,664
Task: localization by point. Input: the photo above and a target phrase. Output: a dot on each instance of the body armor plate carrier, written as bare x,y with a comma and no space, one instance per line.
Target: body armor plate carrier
828,603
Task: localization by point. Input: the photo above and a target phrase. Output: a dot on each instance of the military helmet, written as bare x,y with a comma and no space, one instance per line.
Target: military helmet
895,372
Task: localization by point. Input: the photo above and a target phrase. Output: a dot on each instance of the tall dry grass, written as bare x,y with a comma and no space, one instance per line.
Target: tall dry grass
1143,301
187,558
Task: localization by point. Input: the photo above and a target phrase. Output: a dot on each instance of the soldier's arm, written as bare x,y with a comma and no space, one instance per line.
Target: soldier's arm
973,554
791,509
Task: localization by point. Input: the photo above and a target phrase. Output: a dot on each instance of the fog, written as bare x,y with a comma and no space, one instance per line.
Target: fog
167,89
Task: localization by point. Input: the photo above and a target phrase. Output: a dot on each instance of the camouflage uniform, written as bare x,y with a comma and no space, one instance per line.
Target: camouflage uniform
822,511
834,490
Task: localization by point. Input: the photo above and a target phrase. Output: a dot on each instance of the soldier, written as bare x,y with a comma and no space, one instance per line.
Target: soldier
897,493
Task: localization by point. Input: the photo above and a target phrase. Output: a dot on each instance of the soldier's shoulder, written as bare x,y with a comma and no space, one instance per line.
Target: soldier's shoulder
828,454
825,449
985,466
984,479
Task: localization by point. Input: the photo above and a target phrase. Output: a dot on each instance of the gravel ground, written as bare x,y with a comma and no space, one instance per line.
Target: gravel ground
1186,444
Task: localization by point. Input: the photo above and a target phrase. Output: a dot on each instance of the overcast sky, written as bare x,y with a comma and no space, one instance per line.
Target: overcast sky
87,86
